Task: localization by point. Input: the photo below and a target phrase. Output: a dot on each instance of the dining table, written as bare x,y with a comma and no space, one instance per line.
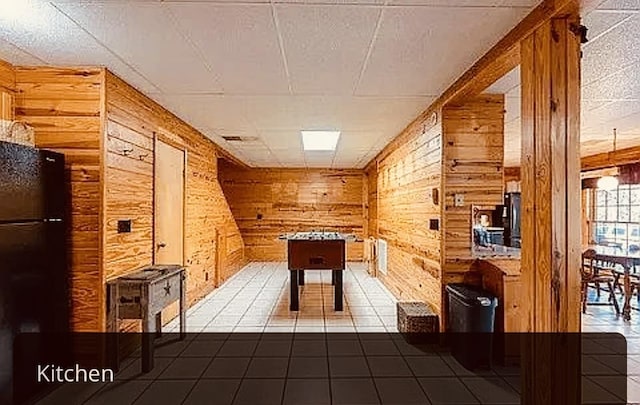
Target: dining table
628,260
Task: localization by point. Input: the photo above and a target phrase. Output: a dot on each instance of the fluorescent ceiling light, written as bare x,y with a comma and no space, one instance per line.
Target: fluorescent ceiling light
320,140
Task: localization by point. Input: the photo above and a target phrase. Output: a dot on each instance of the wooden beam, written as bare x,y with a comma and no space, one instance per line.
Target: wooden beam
551,237
611,159
551,173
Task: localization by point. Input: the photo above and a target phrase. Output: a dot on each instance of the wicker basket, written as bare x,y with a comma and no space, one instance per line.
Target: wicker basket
16,132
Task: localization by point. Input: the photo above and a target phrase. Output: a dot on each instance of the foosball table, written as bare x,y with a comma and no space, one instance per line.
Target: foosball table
316,251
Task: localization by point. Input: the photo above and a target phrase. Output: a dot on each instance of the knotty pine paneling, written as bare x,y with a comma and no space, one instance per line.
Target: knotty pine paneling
371,201
293,200
473,167
7,89
133,120
400,207
63,105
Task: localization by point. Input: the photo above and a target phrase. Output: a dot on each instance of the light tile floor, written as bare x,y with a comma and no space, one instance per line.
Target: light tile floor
603,319
257,300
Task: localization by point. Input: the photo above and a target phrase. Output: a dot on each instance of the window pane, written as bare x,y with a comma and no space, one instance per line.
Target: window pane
624,196
635,195
612,213
635,214
612,198
623,213
601,214
601,232
601,197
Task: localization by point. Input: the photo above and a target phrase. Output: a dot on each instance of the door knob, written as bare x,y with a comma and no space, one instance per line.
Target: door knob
161,245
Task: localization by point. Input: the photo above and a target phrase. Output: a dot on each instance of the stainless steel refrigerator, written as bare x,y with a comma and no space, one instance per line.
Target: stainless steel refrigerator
34,279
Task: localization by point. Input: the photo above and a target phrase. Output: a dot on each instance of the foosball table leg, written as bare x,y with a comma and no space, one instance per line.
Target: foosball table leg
337,275
293,299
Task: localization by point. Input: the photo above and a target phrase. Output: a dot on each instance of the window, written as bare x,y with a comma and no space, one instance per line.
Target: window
617,216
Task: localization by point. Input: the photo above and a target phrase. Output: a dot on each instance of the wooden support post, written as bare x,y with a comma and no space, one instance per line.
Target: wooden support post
550,66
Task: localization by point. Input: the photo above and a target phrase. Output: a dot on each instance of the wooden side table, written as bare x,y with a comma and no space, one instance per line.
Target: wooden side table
143,295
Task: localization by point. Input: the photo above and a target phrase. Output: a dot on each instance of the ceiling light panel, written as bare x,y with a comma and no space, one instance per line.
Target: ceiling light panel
320,140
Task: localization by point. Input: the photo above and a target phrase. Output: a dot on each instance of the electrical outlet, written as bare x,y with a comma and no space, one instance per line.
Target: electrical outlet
124,226
459,200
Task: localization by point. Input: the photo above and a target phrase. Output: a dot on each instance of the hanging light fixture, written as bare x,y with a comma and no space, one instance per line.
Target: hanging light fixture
609,183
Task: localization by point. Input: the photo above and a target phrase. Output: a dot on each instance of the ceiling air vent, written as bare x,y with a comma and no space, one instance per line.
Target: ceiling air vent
235,138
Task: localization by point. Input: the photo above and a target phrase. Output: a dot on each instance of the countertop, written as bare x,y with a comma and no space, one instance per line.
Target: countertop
496,251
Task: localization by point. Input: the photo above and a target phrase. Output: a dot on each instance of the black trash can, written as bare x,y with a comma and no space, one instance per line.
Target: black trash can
471,319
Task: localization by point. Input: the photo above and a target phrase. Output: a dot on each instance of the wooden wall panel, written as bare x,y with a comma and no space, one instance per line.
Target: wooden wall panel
401,205
7,90
292,200
473,157
372,202
133,122
63,105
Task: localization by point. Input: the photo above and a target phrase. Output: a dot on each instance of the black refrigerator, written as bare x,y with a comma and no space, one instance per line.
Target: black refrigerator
34,293
512,218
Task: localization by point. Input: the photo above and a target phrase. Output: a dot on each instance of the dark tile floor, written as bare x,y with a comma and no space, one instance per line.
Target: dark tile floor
348,369
340,368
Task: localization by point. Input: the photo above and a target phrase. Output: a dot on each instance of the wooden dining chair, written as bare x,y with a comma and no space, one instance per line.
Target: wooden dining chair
592,276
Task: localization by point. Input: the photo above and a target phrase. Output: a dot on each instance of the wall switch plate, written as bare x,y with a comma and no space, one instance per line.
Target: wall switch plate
435,196
459,200
124,226
434,224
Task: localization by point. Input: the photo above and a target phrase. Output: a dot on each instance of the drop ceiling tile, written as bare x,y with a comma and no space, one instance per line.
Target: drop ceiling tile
620,5
41,30
457,3
419,51
210,111
325,46
615,50
512,108
358,141
623,85
629,120
329,2
239,42
211,1
318,159
506,84
131,31
287,155
12,54
387,114
598,22
282,140
273,112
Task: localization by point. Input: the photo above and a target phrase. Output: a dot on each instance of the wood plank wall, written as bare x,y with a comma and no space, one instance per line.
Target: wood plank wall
371,202
401,205
132,122
473,157
63,105
292,200
7,90
92,116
